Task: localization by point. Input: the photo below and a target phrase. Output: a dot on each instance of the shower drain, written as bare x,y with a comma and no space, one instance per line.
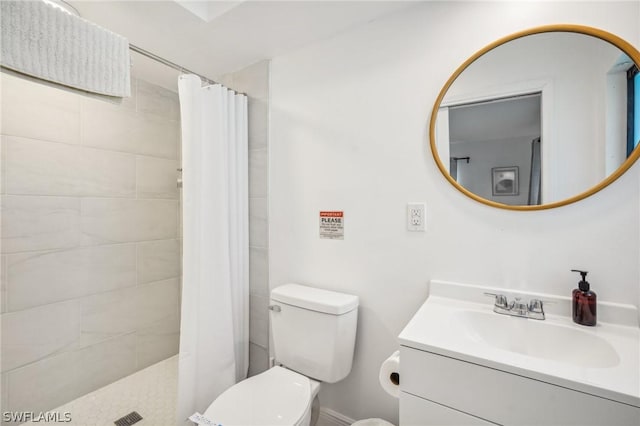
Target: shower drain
129,419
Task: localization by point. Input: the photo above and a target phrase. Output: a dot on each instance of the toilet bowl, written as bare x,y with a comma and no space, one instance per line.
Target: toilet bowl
277,397
313,339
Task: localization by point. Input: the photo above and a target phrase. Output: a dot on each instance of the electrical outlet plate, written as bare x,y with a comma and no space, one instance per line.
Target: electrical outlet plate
416,216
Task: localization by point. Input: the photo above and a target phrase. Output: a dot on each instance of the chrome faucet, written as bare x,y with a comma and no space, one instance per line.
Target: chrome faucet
534,309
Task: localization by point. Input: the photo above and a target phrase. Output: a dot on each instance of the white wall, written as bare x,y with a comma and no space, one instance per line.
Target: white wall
349,131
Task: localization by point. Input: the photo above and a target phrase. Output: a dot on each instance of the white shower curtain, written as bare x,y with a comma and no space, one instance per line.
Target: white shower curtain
214,329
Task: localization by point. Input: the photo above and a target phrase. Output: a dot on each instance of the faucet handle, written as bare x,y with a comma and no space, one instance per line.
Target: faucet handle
500,300
536,308
536,305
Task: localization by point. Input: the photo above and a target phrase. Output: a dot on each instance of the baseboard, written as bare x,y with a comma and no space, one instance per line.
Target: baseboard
329,417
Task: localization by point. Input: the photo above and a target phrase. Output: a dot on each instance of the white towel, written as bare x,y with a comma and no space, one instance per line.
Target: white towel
44,42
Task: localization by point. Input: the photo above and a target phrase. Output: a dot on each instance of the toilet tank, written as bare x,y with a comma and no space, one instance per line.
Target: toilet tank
314,330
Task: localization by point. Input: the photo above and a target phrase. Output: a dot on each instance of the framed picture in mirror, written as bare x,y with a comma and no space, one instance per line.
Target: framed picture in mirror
504,180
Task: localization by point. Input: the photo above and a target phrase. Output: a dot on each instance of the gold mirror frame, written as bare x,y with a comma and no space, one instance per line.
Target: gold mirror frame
621,44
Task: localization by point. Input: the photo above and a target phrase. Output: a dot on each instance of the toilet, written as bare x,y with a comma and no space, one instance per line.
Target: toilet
313,333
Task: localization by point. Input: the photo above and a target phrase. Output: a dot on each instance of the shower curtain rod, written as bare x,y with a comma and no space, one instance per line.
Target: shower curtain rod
168,63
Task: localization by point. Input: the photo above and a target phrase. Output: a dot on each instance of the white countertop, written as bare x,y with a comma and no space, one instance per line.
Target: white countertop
437,328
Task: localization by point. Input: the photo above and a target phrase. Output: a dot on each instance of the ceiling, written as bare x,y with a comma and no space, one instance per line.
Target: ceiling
213,38
500,119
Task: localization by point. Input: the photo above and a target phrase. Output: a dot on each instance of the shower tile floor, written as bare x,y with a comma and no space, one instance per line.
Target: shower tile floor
151,392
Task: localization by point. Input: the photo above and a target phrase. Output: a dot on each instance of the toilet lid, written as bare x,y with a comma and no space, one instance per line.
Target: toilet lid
276,397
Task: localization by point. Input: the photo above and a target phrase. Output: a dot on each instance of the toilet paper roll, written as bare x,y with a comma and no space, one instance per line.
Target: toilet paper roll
390,375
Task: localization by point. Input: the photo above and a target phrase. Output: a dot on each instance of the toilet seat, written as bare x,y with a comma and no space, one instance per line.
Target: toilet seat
277,397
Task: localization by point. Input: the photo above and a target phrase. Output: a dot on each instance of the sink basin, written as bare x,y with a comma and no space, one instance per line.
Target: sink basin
457,321
538,339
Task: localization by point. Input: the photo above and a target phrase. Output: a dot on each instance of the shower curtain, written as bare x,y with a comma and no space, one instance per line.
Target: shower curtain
214,328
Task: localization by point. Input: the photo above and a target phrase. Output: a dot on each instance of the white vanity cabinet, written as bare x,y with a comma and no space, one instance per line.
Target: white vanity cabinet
461,363
419,411
439,390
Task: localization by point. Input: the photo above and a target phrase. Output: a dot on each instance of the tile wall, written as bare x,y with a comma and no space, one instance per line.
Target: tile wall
90,239
254,82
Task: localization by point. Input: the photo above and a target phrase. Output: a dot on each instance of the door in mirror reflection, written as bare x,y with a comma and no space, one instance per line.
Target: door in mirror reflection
495,148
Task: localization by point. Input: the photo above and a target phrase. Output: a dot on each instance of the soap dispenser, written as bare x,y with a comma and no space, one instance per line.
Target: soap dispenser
584,302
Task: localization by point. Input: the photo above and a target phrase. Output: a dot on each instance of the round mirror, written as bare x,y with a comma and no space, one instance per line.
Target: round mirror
540,119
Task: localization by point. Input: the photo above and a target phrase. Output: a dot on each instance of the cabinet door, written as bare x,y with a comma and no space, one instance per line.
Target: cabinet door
416,411
505,398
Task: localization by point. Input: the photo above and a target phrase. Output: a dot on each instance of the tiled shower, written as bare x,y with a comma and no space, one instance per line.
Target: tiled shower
90,238
91,235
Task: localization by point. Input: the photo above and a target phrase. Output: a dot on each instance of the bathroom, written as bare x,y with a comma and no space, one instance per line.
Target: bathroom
340,102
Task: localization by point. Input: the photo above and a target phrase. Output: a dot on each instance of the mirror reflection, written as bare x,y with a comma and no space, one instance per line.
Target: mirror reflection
539,119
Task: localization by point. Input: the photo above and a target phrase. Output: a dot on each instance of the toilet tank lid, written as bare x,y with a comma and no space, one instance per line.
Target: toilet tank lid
315,299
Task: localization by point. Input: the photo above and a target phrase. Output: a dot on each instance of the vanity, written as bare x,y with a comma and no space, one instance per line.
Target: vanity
464,364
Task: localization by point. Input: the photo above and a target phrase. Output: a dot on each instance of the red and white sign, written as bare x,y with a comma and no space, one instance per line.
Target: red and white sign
332,225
